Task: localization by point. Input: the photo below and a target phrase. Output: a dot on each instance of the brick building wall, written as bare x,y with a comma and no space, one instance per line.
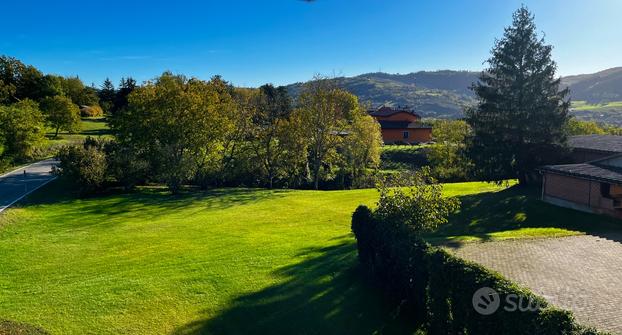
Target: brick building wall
414,135
577,193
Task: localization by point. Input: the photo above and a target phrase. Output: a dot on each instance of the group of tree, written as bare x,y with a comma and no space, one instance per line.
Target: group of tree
30,101
521,120
179,131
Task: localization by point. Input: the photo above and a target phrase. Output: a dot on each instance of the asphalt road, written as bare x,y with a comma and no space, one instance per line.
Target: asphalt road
16,184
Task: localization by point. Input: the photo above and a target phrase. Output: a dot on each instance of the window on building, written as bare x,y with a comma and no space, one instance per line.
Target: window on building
605,190
405,134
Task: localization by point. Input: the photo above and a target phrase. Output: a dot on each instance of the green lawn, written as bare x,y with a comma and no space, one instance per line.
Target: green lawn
231,261
94,127
91,126
585,106
517,213
608,113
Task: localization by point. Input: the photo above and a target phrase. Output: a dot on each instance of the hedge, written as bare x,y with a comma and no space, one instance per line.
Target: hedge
436,288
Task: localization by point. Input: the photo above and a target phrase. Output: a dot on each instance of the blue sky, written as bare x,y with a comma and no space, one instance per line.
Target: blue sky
283,41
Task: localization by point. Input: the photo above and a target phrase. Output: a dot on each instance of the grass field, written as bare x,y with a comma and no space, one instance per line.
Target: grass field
517,213
221,262
609,113
584,106
93,126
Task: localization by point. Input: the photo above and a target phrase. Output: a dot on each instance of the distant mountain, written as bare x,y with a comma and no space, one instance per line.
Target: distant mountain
599,87
445,94
441,94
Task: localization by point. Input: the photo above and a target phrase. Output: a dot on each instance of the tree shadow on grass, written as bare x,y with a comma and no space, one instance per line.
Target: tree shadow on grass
146,203
323,294
482,215
17,328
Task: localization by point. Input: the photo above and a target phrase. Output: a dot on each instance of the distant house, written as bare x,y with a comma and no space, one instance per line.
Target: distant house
594,182
400,125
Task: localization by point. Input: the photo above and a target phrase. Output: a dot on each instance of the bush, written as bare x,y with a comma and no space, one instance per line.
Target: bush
403,157
124,166
436,288
91,111
420,206
84,166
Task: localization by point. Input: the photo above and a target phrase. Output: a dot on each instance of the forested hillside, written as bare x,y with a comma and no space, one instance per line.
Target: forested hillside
600,87
444,94
441,94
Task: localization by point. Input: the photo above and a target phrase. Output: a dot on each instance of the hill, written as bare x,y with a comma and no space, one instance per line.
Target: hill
441,94
445,94
596,88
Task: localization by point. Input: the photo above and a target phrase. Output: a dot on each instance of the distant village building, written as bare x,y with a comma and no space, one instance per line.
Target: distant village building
594,182
401,125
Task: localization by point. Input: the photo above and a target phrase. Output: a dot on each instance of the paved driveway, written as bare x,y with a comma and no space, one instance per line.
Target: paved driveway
579,273
17,184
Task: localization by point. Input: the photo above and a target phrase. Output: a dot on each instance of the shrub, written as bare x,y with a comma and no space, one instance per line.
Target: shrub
421,206
84,166
91,111
125,166
436,288
403,157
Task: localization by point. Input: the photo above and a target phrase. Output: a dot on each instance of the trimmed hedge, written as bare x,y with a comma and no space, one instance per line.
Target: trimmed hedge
436,288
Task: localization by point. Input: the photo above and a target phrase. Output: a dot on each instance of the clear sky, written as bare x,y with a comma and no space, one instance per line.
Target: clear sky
283,41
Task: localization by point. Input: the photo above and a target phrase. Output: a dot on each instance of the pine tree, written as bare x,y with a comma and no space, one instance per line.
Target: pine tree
126,87
107,95
519,121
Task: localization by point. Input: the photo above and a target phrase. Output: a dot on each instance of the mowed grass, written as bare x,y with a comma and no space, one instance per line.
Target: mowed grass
585,106
224,261
233,261
517,212
89,126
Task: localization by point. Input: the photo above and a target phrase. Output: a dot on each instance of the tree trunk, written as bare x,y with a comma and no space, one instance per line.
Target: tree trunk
56,134
316,176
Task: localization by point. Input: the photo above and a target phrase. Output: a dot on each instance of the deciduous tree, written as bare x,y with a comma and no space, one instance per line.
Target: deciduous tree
175,124
325,112
22,129
61,113
447,157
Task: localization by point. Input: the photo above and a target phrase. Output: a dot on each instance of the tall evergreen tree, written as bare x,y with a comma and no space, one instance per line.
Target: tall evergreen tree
107,94
127,86
520,120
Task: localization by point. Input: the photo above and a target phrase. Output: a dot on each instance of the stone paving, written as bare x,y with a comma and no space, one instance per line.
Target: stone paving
579,273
